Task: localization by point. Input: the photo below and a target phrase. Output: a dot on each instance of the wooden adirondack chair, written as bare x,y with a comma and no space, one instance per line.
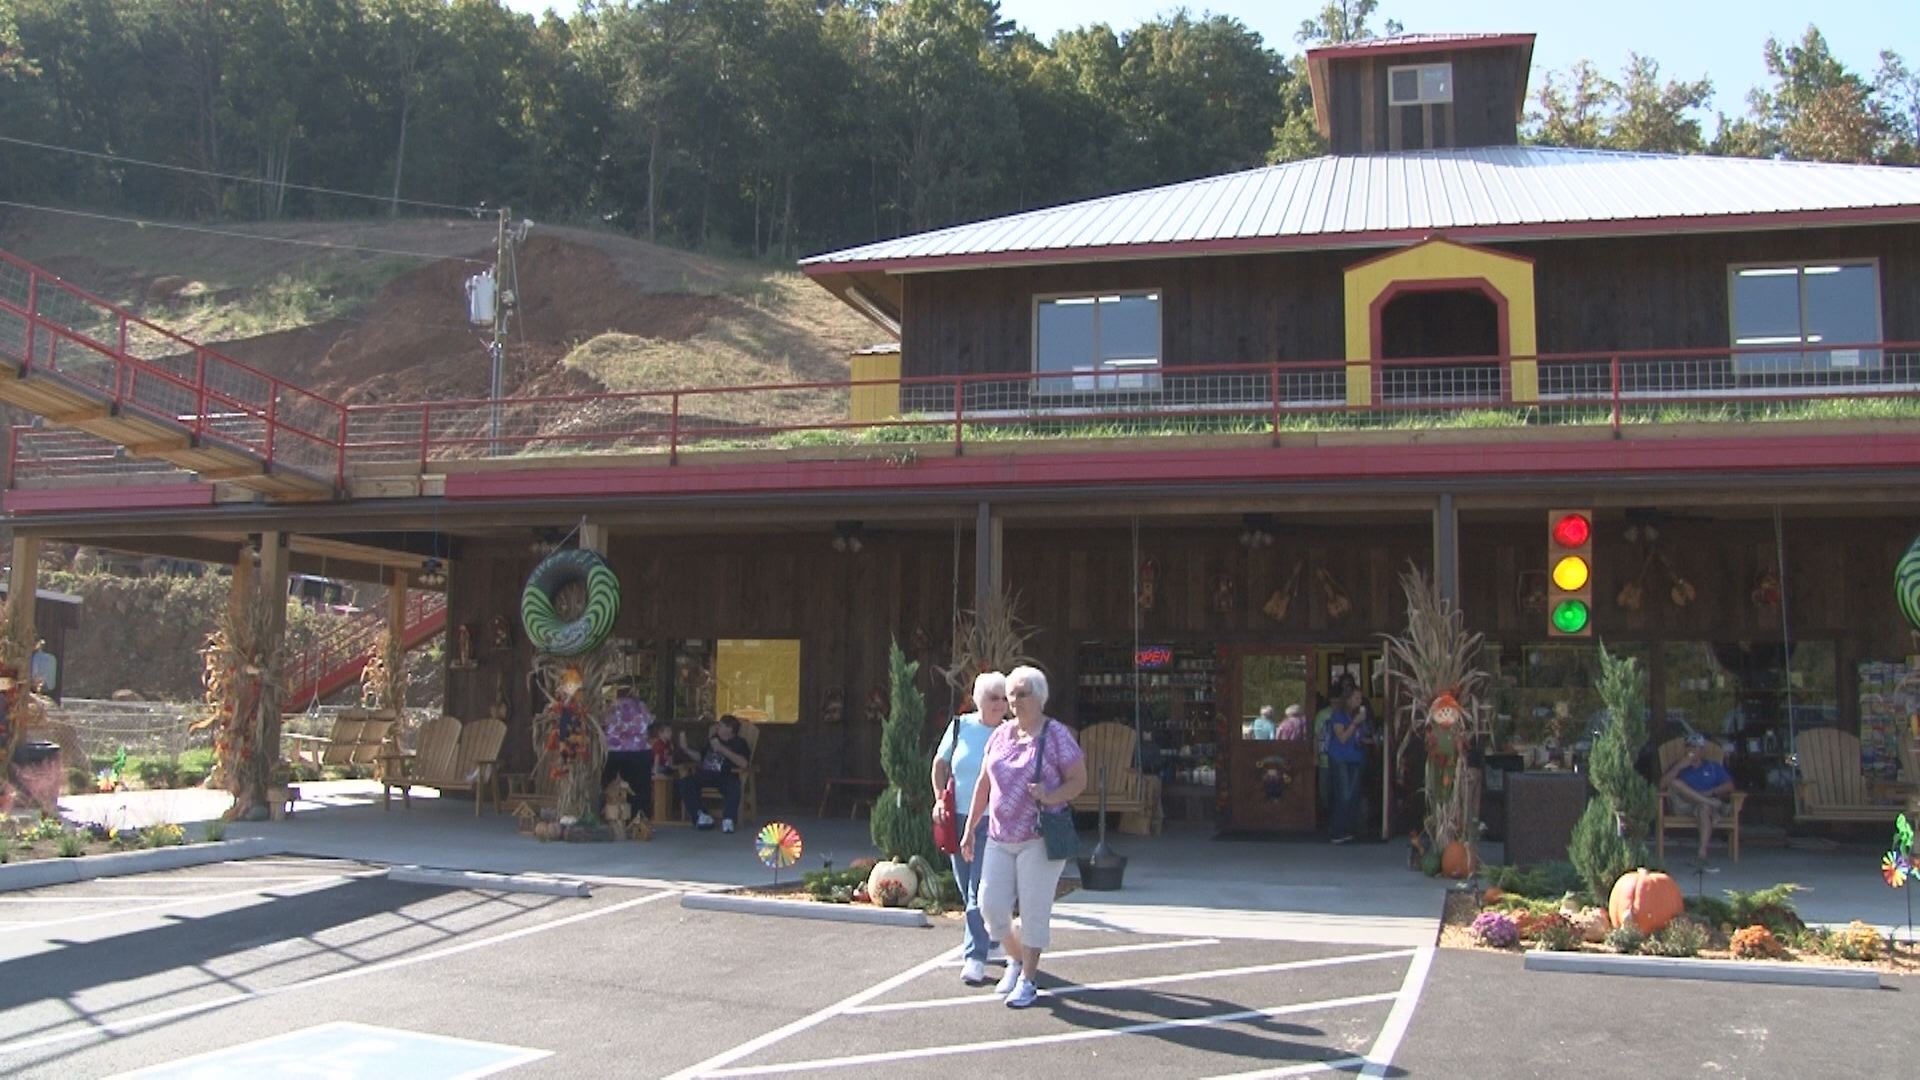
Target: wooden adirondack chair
1136,798
1671,751
451,756
1832,785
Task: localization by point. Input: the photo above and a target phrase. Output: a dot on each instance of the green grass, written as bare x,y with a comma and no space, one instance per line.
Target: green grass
291,299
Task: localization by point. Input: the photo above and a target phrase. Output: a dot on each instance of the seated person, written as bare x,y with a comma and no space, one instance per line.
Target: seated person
1263,726
727,752
1294,727
1695,785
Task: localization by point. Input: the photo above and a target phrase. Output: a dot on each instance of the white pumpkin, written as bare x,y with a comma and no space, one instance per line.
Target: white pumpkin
892,884
1591,923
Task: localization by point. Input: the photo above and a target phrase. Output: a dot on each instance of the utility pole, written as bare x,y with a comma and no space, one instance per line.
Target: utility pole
496,350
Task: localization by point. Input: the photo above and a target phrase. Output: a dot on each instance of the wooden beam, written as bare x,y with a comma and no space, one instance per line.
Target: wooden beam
158,447
23,586
81,415
236,472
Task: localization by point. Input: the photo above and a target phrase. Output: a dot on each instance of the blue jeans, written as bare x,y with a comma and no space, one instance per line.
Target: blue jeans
1346,795
727,783
966,875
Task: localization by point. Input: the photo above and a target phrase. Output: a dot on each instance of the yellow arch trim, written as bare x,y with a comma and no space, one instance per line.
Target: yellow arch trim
1441,260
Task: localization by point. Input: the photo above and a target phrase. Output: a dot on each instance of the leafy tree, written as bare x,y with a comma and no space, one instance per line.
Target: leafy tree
1609,839
1655,115
1342,21
1818,110
902,822
1573,108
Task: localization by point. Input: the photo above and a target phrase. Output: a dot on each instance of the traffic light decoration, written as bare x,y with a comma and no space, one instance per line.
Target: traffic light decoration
1569,573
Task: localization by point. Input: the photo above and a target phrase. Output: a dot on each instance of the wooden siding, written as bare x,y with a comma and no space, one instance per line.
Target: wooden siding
1483,112
1076,586
1624,293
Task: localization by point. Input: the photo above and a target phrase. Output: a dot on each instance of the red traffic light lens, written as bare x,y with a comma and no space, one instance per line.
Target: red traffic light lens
1573,530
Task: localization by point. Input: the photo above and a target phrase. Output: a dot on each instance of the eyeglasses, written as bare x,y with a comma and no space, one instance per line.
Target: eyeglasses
1019,693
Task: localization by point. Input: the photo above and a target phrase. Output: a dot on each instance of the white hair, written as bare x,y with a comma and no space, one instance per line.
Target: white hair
1033,677
986,683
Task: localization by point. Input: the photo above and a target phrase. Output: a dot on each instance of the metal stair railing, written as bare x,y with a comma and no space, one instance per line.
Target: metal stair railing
53,329
338,658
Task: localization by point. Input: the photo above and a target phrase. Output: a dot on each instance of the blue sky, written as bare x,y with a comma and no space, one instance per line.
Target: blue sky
1721,39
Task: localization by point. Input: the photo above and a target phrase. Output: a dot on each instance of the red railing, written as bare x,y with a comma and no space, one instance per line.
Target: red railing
1592,388
335,661
51,328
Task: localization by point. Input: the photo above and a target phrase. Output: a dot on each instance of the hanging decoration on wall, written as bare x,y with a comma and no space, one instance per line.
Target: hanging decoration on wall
1680,591
559,571
1766,589
463,649
877,706
1338,603
1223,598
1280,601
833,710
500,631
1149,582
1906,584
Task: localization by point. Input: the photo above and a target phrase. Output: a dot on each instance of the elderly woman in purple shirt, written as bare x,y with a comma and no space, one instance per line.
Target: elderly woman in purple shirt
1009,800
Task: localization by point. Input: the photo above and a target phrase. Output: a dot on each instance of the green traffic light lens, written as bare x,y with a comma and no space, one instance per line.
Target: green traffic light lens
1570,616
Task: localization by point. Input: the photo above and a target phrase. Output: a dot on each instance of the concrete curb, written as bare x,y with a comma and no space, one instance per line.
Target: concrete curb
1735,971
805,909
474,879
43,872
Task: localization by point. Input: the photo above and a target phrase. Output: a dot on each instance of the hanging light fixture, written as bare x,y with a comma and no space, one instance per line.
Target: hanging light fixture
846,537
433,573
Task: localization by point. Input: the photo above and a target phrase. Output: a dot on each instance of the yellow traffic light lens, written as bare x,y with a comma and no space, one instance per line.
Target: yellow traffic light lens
1571,574
1570,616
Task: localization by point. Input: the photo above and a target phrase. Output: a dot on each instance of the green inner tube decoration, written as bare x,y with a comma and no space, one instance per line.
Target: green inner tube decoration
557,571
1906,583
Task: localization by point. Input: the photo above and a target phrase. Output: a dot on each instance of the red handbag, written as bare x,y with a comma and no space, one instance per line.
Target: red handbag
946,833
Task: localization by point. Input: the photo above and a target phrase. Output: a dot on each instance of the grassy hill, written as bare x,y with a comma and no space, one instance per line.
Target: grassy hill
597,311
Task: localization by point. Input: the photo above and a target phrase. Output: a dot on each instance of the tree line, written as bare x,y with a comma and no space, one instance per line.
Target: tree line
762,127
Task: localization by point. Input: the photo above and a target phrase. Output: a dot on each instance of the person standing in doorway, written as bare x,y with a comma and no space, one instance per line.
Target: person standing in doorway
1009,799
1346,758
962,752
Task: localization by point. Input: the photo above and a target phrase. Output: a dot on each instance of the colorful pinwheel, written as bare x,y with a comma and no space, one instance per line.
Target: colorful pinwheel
778,845
1896,869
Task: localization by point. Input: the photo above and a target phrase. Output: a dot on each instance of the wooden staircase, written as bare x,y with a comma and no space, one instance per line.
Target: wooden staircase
81,362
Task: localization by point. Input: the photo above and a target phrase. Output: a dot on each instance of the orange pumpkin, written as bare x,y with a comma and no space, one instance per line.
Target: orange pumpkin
1457,860
1492,895
1651,899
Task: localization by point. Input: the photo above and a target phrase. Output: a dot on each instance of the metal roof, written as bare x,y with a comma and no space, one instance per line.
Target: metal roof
1404,43
1484,193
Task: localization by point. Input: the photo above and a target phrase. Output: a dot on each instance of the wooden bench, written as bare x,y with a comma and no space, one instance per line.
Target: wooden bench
1728,820
863,792
1135,797
358,740
451,756
1832,786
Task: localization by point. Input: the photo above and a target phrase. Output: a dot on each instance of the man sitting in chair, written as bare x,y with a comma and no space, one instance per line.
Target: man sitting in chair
726,754
1695,785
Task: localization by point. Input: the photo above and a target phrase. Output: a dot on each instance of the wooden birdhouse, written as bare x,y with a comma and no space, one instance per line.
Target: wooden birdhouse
640,828
524,817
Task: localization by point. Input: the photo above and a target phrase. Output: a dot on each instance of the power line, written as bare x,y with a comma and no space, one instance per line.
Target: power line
145,224
237,178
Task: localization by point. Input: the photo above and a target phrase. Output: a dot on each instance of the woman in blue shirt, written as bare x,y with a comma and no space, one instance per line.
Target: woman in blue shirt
1346,759
962,752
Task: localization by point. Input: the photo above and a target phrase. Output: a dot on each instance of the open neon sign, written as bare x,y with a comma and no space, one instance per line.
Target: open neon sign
1152,657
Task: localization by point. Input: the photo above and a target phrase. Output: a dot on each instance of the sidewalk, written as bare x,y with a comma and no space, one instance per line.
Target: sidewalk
1181,882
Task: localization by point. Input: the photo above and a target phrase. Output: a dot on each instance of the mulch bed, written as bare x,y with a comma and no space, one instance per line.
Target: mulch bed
1462,907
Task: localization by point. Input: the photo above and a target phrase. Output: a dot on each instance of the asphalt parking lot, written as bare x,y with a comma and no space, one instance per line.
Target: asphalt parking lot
280,966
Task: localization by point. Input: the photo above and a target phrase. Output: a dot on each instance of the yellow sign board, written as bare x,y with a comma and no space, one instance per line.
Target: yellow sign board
758,679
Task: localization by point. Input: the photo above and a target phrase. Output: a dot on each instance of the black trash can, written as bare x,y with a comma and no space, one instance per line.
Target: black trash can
36,752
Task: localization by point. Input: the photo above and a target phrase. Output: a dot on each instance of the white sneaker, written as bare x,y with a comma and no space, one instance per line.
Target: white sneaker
726,825
1023,995
1010,980
973,973
996,955
703,821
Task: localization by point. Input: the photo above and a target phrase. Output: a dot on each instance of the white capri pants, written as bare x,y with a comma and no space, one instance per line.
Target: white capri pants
1019,872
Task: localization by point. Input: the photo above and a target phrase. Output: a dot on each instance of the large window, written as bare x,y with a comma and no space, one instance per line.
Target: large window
1800,307
1108,341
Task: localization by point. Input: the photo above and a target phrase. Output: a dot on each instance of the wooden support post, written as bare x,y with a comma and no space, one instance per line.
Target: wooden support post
986,555
23,586
273,593
397,638
1446,549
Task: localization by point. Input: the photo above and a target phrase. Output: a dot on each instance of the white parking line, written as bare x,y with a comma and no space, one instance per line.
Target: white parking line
1184,943
112,1027
812,1019
1145,980
1381,1056
189,901
1062,1037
